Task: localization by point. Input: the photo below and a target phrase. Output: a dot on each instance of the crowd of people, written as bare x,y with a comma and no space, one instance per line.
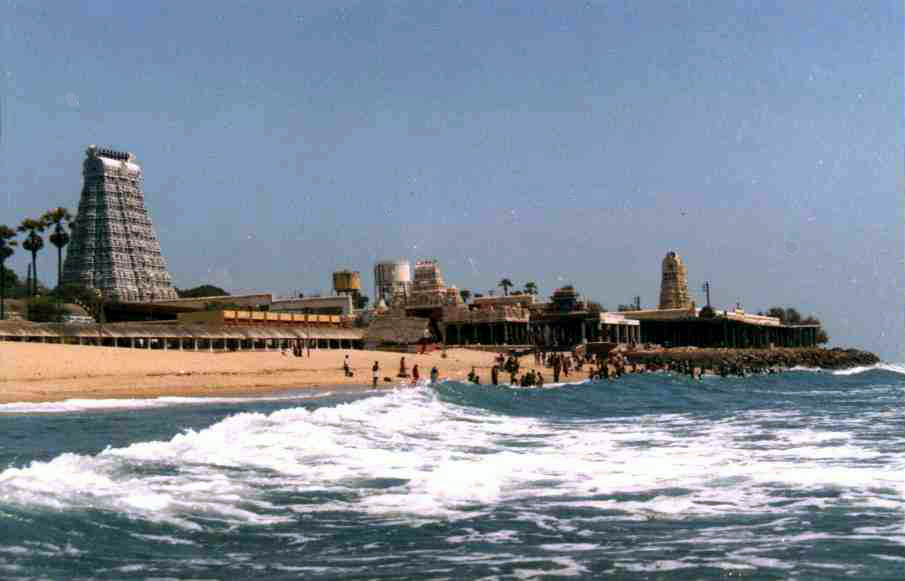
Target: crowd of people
724,369
562,365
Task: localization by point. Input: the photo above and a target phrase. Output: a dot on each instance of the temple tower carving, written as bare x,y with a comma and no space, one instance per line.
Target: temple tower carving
114,248
674,284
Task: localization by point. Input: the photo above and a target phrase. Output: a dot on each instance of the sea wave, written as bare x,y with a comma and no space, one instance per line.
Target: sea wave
898,368
414,455
890,367
82,405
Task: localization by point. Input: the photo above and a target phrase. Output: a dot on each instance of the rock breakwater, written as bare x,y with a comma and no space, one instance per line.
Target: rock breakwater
754,359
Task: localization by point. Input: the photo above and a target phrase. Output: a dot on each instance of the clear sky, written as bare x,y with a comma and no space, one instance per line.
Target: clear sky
557,142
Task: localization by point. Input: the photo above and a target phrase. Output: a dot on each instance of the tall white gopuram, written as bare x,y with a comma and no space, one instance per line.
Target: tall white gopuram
114,248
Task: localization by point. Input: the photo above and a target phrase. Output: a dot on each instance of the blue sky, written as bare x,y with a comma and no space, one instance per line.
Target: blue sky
557,142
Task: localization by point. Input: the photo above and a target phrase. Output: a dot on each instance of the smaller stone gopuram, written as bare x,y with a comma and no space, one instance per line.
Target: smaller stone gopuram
674,284
428,288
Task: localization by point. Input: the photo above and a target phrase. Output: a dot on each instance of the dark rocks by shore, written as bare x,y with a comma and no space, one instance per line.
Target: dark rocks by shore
752,359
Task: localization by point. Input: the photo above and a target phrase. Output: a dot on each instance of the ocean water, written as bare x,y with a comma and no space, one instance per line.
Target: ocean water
790,476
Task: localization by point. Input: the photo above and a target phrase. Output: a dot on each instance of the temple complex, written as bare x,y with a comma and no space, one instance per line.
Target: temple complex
567,321
114,248
678,323
674,284
562,323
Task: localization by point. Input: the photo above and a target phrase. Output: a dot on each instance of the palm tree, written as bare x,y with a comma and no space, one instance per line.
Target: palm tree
7,241
33,243
531,288
60,236
506,284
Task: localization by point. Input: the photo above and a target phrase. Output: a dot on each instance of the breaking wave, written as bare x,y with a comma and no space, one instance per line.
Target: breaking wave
898,368
414,453
497,470
82,405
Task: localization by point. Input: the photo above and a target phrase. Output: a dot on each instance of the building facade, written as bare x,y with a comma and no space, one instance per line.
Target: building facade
114,248
335,305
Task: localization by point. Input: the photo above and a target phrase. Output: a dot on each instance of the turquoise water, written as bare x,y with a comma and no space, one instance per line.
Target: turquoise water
798,475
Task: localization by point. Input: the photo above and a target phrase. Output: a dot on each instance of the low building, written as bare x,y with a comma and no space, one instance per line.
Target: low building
234,317
563,323
686,327
486,325
556,329
188,336
336,305
249,301
154,311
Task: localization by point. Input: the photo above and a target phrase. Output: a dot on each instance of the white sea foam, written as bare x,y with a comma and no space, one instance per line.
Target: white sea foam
472,535
444,461
82,405
892,367
568,567
805,368
163,539
551,385
569,547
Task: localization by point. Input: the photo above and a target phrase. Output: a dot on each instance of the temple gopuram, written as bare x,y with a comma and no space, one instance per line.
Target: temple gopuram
114,248
674,283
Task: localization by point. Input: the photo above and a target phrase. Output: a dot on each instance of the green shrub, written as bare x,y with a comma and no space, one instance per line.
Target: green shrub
44,309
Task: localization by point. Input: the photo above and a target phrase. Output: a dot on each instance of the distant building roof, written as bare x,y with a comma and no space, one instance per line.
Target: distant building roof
397,330
249,300
157,330
694,313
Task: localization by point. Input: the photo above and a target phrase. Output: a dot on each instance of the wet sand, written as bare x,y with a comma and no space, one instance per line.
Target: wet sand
36,372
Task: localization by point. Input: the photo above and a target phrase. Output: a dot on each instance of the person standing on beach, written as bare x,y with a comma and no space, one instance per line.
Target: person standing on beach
346,367
415,374
435,374
403,371
557,367
495,375
375,373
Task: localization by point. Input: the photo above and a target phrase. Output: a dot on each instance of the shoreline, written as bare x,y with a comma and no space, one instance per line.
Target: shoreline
42,373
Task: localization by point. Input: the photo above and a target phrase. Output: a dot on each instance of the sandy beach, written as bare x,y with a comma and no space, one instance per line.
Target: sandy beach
34,372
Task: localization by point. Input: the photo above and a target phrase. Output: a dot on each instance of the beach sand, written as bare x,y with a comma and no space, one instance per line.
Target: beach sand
33,372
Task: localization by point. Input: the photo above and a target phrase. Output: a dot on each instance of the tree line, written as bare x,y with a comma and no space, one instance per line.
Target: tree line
791,316
60,220
530,288
46,305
